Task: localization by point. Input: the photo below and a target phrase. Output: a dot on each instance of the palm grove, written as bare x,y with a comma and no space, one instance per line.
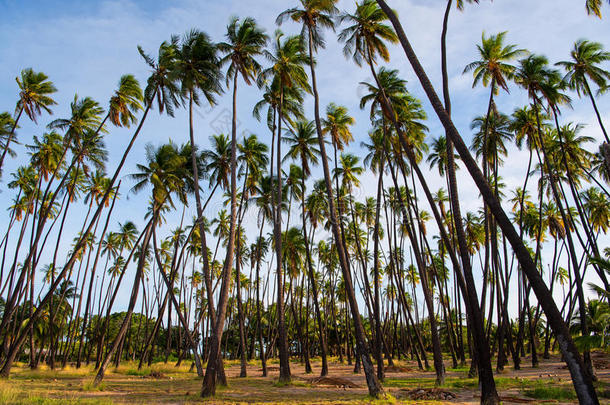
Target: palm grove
325,273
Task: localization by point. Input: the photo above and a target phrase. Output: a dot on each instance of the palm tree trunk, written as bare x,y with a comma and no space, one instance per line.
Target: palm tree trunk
285,376
378,342
582,381
209,380
174,301
204,246
97,256
437,351
597,114
314,286
132,301
259,326
375,388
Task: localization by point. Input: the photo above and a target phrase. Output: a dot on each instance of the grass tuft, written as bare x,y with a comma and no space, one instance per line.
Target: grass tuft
550,392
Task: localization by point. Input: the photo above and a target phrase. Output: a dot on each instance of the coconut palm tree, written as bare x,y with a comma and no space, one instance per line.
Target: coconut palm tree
337,125
584,67
598,209
197,71
167,171
582,381
6,129
253,159
375,159
245,42
594,7
303,141
85,116
287,68
35,90
314,11
160,88
365,38
389,99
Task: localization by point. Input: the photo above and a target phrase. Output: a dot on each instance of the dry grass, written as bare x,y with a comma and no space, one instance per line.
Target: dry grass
179,385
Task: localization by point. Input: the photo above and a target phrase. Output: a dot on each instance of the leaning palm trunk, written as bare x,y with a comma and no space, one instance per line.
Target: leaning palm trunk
485,371
581,379
132,301
204,248
314,286
6,368
437,351
285,375
183,321
209,380
92,277
375,388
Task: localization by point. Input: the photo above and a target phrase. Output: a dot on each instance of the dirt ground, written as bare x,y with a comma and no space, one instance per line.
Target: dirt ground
167,384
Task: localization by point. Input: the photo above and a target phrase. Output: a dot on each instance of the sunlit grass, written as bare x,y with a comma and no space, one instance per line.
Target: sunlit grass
550,392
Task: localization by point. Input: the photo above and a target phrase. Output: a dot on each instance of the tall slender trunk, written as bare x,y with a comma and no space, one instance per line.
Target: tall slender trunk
378,337
581,379
312,282
209,380
277,232
204,246
597,114
97,256
375,388
132,301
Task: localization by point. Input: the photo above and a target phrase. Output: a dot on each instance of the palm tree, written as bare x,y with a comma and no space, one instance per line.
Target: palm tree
543,84
584,66
161,88
252,159
582,381
314,11
492,143
365,38
337,125
389,97
375,159
597,206
217,162
167,171
85,117
287,61
35,90
245,42
197,70
6,129
594,7
303,141
494,70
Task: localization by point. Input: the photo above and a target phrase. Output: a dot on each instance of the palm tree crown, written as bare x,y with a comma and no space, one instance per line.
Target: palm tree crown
493,66
34,93
364,38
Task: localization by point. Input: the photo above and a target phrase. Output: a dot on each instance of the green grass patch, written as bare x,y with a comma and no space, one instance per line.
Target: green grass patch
89,386
550,392
291,383
423,382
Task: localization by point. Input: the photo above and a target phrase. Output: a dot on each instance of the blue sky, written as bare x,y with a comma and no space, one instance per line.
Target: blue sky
85,46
